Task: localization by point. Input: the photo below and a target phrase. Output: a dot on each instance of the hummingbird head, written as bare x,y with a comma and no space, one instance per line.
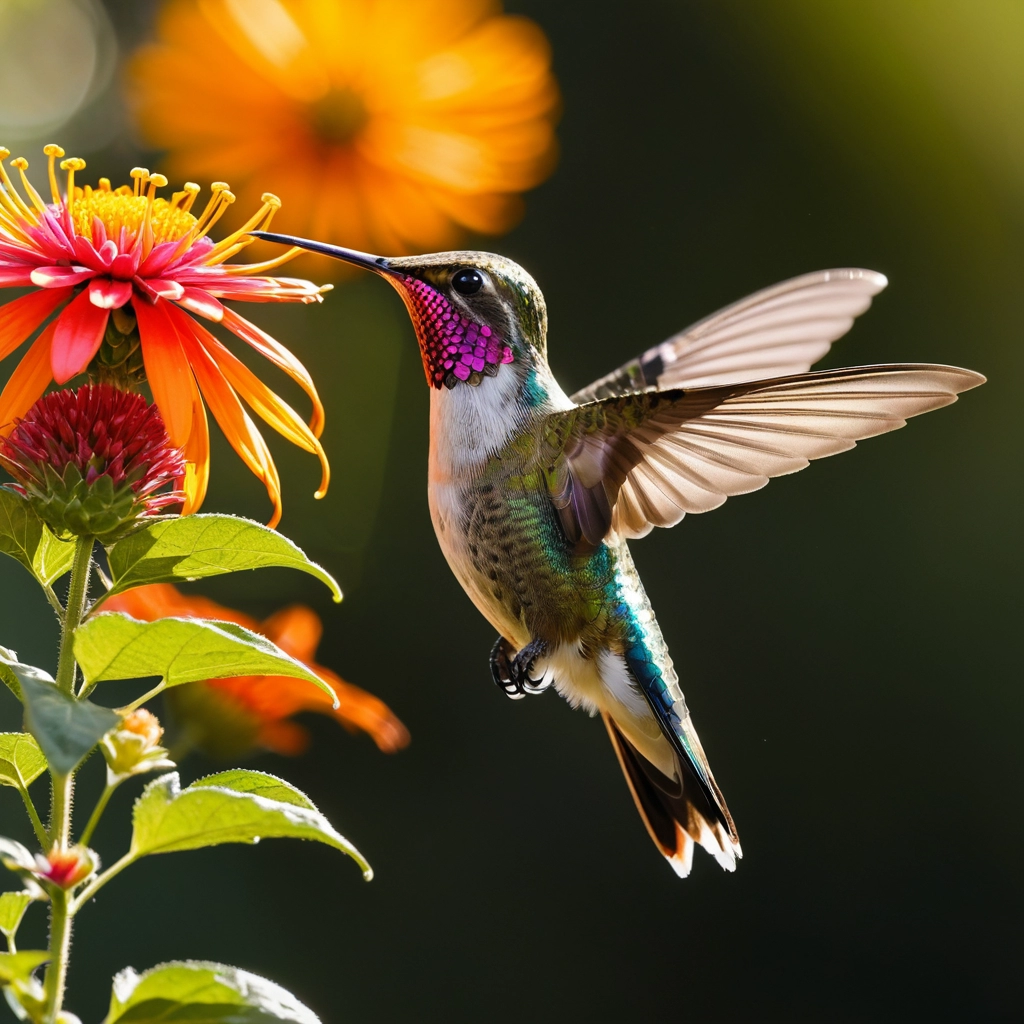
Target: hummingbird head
475,313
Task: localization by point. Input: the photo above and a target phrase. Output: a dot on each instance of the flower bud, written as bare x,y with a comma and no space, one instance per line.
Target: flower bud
65,868
134,746
90,462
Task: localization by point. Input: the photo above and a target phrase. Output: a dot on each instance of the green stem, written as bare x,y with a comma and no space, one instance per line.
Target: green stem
149,695
64,785
60,948
101,880
77,593
54,603
33,815
97,812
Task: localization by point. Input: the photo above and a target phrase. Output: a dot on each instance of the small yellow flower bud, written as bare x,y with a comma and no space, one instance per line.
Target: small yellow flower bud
134,746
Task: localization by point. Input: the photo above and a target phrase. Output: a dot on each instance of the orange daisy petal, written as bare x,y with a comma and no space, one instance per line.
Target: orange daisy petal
77,338
296,629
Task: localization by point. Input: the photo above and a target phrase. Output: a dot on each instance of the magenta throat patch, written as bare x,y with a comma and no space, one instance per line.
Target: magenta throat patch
454,349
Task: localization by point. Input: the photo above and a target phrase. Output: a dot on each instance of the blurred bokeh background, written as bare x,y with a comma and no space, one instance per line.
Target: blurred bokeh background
849,639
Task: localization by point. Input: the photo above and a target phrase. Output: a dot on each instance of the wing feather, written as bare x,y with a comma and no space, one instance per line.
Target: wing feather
647,459
780,331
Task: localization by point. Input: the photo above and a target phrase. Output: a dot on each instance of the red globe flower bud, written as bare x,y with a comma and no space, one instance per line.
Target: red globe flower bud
91,462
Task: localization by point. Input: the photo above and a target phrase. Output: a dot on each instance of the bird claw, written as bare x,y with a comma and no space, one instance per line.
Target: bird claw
512,671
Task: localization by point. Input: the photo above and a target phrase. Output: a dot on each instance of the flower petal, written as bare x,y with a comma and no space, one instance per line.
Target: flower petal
167,370
197,456
77,338
61,277
296,630
30,379
280,356
20,317
202,303
15,277
238,428
108,294
269,406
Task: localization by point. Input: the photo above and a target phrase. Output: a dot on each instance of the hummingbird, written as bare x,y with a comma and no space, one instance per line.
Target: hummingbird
534,494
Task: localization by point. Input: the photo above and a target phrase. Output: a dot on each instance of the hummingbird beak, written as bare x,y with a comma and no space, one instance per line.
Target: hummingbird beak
378,264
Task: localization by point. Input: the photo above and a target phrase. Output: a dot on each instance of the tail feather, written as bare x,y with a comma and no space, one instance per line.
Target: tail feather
676,812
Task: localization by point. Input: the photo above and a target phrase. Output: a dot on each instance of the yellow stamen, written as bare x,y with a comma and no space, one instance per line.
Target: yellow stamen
14,200
53,153
139,175
71,165
156,181
259,268
216,189
192,189
37,199
270,204
104,185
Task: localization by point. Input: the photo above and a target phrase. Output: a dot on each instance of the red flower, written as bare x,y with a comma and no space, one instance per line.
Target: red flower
256,710
128,269
93,460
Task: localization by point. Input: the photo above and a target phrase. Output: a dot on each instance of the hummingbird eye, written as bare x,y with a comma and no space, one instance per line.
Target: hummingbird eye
467,282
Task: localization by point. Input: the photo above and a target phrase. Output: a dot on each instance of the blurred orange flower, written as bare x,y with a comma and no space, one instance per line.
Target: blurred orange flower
127,273
385,124
227,716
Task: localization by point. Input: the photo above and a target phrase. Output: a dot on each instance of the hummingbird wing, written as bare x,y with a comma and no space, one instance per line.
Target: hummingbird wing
780,331
643,460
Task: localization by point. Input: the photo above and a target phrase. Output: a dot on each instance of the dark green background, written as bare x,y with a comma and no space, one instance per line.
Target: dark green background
848,638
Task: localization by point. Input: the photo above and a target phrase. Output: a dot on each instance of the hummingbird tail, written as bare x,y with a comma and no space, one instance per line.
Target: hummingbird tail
677,814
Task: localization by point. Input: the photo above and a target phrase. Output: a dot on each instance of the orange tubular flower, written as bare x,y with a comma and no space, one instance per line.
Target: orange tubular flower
403,120
227,715
126,269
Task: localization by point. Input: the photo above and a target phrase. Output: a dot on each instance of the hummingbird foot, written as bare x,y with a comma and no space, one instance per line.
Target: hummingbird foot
512,671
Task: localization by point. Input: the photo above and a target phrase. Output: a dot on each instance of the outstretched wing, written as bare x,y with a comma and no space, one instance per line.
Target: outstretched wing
643,460
780,331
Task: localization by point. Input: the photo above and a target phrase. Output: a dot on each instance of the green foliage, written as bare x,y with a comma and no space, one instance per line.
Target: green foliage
243,780
12,672
200,992
115,646
229,810
193,547
19,966
25,537
12,909
67,729
21,760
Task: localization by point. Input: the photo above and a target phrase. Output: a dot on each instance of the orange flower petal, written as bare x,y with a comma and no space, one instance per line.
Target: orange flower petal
279,356
77,338
30,379
167,370
197,456
21,316
227,410
269,406
296,629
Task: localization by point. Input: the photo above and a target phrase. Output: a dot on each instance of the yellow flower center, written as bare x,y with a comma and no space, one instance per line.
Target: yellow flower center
338,117
120,209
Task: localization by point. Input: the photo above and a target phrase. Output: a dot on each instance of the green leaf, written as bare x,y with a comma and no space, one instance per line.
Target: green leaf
12,672
167,818
21,760
199,992
243,780
193,547
67,729
24,536
18,966
115,646
12,909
